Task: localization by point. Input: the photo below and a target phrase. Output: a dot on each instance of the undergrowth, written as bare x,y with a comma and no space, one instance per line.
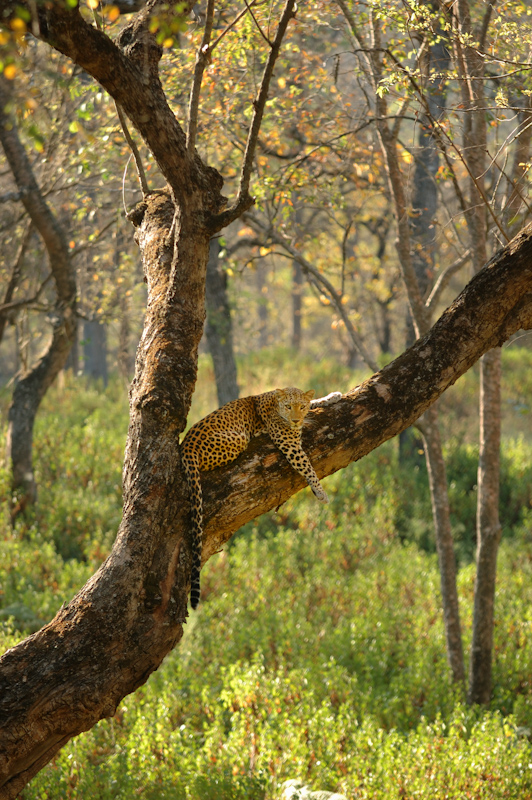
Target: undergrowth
318,650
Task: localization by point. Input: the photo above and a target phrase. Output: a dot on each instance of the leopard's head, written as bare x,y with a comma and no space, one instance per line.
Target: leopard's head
293,405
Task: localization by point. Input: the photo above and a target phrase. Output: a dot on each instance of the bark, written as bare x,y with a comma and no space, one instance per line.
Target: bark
116,631
488,530
32,387
95,350
219,328
439,497
472,69
297,291
14,279
124,360
415,245
423,239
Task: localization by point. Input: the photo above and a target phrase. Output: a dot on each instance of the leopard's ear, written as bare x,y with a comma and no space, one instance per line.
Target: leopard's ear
309,395
280,393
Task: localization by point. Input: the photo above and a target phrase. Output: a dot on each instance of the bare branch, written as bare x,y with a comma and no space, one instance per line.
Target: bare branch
232,24
244,200
134,149
15,276
203,59
257,25
444,278
316,276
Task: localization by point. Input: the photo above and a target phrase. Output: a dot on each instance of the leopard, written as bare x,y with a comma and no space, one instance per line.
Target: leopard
221,436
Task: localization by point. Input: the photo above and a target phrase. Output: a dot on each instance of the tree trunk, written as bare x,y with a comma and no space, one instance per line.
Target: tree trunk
488,528
27,396
297,291
14,280
472,68
415,258
95,350
262,289
219,327
30,390
439,497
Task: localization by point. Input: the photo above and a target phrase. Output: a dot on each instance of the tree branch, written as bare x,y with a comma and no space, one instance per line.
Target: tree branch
203,59
316,276
444,278
134,149
244,200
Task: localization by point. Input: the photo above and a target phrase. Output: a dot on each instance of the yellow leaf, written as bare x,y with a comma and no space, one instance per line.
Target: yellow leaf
18,25
407,157
93,4
281,83
168,42
10,71
4,37
95,277
112,13
264,251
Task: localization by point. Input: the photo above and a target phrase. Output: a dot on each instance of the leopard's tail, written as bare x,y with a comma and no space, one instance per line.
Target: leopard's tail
191,468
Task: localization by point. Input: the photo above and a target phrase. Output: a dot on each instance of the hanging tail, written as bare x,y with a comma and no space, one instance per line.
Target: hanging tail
196,509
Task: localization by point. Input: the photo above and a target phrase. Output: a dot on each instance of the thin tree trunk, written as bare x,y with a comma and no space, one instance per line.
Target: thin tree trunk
15,277
27,396
32,387
472,67
420,317
439,496
219,327
263,314
423,238
297,291
488,529
95,350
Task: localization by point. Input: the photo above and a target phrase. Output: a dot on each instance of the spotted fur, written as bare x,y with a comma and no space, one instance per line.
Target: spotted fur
221,436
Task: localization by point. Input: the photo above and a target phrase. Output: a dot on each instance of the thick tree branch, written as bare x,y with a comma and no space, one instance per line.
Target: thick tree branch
493,306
